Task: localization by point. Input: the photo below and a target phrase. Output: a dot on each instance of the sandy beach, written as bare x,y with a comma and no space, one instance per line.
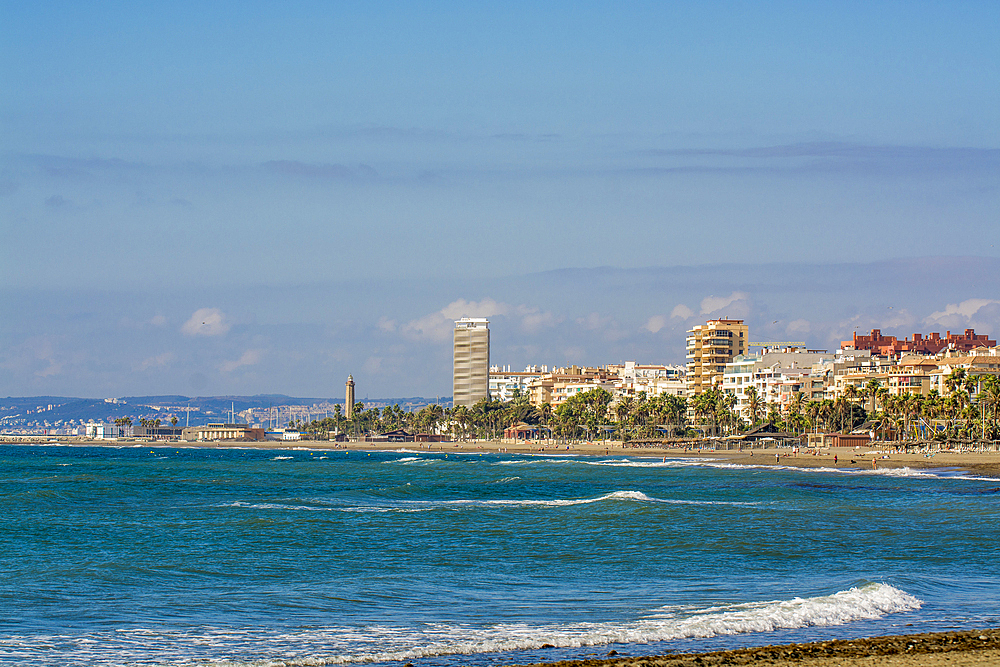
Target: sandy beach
954,649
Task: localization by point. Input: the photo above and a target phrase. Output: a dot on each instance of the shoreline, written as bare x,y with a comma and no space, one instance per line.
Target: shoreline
986,464
955,649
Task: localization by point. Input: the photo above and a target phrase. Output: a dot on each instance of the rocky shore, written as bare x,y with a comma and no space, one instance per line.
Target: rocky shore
954,649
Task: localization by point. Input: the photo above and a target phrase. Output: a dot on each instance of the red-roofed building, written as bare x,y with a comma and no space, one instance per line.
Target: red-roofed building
887,346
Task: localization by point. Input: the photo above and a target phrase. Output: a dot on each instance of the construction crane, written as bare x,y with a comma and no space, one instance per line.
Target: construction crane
777,343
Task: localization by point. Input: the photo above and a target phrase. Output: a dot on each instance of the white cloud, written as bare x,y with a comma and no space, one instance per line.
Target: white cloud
158,361
249,358
158,320
372,365
54,368
608,327
534,320
798,326
484,308
206,322
655,323
681,311
899,318
959,314
387,325
712,304
593,321
439,325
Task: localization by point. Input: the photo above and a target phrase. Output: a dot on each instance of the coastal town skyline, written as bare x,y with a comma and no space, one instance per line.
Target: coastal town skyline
528,333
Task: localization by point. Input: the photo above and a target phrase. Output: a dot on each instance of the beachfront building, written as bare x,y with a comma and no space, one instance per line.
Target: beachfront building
471,370
555,387
710,347
505,384
650,379
223,432
890,346
777,375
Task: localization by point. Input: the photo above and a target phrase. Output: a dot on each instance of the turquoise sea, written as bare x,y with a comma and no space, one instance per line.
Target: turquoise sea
165,556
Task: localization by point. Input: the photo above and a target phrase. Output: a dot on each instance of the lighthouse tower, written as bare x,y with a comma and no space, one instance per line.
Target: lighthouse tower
349,398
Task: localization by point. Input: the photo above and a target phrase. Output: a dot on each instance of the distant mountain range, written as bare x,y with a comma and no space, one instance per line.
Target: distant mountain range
202,408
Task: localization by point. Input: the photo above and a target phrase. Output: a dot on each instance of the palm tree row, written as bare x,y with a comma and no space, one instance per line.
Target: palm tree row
970,410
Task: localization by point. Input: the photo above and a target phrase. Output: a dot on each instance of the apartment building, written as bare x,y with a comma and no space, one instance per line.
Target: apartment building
710,347
777,375
649,379
471,370
555,387
888,346
505,384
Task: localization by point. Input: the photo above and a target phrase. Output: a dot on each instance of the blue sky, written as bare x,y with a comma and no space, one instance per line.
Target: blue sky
321,176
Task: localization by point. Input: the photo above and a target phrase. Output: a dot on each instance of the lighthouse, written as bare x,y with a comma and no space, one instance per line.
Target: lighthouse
349,398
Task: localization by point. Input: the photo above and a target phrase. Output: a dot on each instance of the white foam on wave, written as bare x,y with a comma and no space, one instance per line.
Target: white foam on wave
282,458
631,496
275,506
504,480
463,503
381,643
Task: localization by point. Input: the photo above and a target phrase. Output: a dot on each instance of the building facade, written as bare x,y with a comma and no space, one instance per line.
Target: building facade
776,376
471,370
505,384
710,347
888,346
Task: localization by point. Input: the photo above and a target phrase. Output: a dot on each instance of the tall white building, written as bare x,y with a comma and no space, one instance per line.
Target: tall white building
471,375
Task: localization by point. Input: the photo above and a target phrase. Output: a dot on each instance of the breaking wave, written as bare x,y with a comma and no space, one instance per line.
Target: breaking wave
381,643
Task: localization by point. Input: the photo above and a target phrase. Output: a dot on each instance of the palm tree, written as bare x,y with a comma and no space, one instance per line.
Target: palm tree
795,410
623,411
729,404
754,405
871,389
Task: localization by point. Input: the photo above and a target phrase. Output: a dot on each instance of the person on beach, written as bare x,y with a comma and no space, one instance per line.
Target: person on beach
777,458
874,463
834,459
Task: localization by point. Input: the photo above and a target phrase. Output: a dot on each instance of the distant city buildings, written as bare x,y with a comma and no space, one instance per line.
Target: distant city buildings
471,366
782,376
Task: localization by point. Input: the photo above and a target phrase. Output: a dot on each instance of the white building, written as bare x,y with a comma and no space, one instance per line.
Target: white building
652,380
471,370
506,384
776,375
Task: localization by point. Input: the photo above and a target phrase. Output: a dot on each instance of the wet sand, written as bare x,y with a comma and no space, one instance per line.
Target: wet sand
954,649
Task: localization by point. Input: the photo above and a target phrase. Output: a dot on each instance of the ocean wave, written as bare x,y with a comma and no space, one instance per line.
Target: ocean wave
462,503
282,458
505,480
380,643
